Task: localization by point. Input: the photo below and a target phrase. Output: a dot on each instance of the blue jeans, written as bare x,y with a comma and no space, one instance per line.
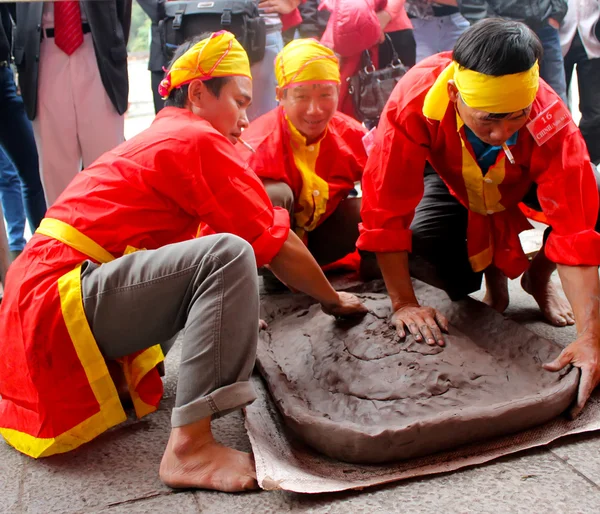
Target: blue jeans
437,34
552,67
16,139
12,203
263,78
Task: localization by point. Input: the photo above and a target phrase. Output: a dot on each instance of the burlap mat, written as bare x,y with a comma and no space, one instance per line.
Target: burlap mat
285,463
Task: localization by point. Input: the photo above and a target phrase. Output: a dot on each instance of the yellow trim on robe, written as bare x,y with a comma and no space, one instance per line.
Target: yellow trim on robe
315,191
135,370
483,259
483,192
111,411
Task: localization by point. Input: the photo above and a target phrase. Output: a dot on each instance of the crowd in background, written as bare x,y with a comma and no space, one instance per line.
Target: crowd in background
67,107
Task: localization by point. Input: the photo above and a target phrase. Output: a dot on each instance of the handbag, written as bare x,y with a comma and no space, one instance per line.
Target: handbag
371,88
185,19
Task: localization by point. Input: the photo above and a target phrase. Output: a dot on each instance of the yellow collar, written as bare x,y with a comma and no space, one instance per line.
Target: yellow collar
298,138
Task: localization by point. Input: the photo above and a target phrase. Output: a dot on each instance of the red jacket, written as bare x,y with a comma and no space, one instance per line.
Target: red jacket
153,190
352,28
340,163
405,140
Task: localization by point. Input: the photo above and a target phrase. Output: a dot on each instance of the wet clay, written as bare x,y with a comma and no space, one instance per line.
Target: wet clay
356,392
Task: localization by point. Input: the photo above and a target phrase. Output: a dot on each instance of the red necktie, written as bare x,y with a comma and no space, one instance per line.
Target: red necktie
68,34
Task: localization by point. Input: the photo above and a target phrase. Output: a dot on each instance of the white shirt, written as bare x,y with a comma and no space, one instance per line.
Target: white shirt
581,17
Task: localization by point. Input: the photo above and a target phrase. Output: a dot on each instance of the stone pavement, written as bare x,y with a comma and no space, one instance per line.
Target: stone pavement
117,473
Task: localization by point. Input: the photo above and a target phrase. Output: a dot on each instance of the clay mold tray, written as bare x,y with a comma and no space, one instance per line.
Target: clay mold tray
356,392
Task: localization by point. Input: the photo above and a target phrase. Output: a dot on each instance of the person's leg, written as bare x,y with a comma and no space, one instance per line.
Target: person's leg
426,34
263,78
155,79
281,195
588,78
12,205
439,251
405,46
55,125
100,127
208,288
451,28
537,279
17,140
570,60
336,237
552,68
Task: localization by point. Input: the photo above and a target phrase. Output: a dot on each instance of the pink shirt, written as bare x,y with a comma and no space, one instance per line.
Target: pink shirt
400,20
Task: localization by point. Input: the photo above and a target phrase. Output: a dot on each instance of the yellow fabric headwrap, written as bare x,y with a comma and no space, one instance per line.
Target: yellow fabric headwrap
503,94
219,55
306,61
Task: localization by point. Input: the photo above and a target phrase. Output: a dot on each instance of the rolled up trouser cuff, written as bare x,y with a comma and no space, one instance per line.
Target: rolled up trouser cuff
218,403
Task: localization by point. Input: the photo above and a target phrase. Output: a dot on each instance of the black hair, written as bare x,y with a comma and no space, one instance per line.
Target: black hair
498,47
178,96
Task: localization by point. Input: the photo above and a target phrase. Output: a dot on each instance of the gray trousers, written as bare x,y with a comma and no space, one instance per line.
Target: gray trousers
208,289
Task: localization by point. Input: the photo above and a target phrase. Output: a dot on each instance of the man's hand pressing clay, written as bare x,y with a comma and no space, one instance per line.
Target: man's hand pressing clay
347,306
581,285
295,266
423,322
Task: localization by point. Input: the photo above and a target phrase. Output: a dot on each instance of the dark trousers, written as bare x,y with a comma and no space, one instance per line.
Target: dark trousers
588,78
335,237
16,139
405,46
552,68
439,236
156,77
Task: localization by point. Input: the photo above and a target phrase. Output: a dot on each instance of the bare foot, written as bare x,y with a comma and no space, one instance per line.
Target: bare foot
203,463
553,306
496,293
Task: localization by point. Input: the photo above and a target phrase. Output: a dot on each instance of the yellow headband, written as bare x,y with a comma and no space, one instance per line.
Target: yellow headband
306,61
219,55
499,95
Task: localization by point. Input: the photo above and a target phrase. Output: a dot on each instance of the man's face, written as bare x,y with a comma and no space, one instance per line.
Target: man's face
226,112
309,107
488,127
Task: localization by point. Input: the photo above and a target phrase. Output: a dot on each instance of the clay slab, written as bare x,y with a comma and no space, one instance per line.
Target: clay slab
356,392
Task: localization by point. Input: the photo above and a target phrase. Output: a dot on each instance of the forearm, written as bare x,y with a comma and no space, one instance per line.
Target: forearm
295,266
394,268
582,288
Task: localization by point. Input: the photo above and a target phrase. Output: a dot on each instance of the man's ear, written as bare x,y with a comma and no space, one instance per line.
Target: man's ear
196,93
279,93
452,91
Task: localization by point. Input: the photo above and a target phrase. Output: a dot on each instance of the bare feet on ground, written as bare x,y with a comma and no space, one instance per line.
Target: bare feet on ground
202,463
553,306
496,289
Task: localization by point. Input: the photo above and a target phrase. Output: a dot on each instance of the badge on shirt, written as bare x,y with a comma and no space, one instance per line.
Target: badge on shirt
548,122
369,140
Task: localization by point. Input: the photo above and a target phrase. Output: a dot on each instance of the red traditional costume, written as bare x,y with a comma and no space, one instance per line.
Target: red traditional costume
406,139
340,160
150,191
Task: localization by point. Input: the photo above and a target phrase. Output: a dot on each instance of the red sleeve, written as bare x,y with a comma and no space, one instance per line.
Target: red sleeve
393,179
353,138
568,194
234,200
291,19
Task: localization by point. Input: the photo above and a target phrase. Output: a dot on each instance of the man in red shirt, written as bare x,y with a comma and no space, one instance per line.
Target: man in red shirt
84,313
465,115
307,154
